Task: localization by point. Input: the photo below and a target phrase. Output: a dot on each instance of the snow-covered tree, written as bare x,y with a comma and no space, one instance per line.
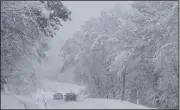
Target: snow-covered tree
25,28
131,55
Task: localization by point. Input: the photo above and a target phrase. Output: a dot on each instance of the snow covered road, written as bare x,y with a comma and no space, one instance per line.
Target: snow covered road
90,103
17,102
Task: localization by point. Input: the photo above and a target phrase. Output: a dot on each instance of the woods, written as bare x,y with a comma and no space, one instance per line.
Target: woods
129,55
26,28
125,54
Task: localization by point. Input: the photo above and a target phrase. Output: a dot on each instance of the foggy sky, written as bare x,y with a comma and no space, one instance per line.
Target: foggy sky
81,12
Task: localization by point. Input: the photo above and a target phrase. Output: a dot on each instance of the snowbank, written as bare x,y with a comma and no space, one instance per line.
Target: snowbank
20,102
115,104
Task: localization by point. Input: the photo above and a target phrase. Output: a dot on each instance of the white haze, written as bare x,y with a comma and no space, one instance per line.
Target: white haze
81,12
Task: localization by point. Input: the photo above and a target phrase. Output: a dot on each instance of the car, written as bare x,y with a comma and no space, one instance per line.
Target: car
58,96
70,97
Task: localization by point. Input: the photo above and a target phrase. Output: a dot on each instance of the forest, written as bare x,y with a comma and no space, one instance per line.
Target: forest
130,56
26,30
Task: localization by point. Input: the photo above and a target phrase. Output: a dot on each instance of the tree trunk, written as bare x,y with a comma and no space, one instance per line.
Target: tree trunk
137,91
107,97
112,85
124,81
155,86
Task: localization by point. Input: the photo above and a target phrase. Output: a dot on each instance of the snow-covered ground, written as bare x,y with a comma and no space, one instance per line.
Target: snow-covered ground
90,103
19,102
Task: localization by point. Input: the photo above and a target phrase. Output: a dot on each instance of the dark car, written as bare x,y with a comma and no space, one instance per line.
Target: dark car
58,96
70,97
